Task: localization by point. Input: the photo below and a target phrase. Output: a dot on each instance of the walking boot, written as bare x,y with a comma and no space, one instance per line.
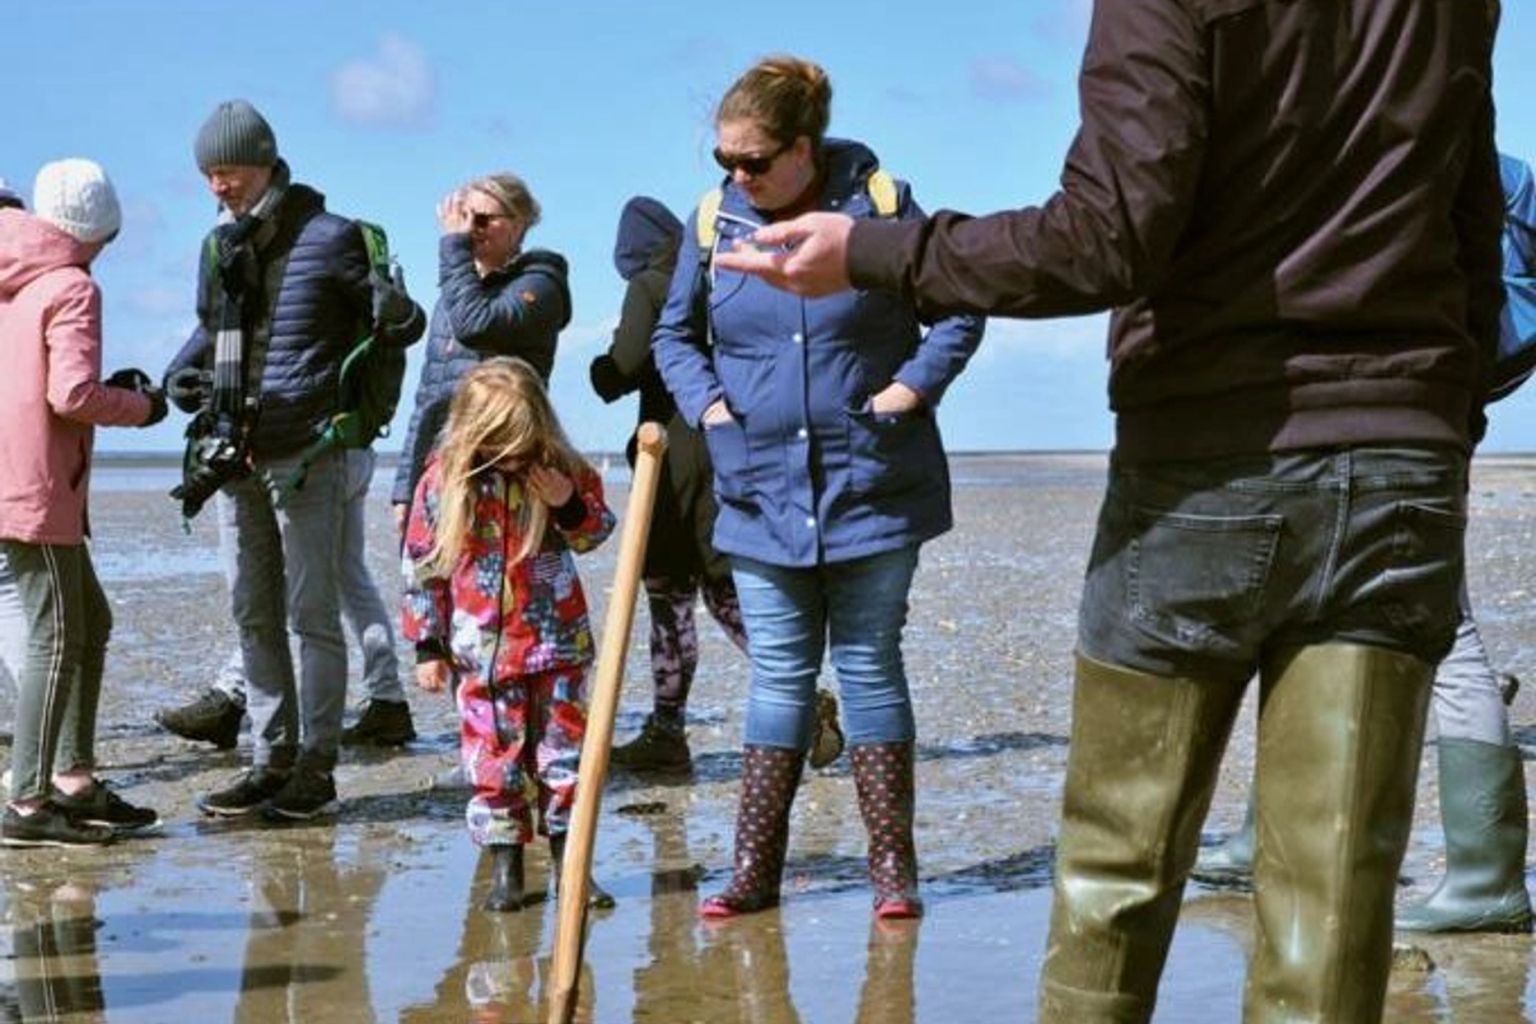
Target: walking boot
1340,734
882,776
1483,809
827,734
661,746
214,717
383,723
1140,773
598,898
769,778
1229,864
506,880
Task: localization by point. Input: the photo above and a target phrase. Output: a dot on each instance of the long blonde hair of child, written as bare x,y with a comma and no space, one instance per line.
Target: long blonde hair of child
500,418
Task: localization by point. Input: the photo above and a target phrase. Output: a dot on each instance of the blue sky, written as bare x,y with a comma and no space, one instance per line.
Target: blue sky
386,105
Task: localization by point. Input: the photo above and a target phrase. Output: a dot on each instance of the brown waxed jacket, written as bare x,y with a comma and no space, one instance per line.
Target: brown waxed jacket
1293,207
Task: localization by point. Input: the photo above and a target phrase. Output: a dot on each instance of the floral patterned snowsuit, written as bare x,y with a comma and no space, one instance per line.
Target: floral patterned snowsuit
520,643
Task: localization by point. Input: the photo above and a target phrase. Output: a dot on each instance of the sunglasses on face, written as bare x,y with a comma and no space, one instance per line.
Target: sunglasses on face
750,164
481,221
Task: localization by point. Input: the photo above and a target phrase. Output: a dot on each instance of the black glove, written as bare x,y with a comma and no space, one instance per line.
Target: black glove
607,381
391,304
188,388
157,406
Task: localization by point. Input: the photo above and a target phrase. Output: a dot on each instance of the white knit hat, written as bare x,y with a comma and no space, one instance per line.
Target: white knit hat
77,197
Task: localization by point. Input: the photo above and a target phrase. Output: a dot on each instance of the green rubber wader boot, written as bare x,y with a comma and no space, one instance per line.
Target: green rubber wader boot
1483,808
1229,864
1140,772
1340,732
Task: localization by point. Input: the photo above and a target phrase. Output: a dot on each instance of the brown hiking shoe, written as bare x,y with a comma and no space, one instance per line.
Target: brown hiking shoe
661,746
826,735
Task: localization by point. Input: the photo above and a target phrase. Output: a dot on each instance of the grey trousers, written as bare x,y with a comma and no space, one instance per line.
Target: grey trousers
283,569
13,625
67,621
1467,699
364,610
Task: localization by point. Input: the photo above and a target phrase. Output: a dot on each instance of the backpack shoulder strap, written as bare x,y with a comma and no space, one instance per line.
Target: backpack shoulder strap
377,244
883,194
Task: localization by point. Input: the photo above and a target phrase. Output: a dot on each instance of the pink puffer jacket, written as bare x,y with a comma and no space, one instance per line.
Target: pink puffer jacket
51,394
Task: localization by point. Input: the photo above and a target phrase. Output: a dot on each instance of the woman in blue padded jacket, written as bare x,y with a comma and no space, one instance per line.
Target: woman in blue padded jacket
829,470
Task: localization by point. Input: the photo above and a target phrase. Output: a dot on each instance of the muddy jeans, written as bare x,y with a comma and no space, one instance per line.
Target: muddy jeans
371,622
68,621
283,570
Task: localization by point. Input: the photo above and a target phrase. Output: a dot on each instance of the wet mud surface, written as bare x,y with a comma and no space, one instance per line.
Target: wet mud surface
373,916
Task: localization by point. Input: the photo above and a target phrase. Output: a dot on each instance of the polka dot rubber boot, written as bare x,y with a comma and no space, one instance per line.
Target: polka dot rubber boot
882,774
769,778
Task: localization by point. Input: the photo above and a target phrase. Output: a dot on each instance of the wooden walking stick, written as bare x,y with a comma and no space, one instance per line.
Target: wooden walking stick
576,872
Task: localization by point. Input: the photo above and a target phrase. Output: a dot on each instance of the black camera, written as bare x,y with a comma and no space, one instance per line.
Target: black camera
213,459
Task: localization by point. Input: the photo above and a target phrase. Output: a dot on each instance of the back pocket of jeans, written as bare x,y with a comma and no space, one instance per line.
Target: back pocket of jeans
1198,581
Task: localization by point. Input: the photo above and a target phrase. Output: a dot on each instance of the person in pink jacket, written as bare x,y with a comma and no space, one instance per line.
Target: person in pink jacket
52,397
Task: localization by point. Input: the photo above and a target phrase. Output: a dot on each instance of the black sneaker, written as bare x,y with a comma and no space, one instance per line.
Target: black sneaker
661,746
308,794
99,805
212,718
249,791
383,723
50,825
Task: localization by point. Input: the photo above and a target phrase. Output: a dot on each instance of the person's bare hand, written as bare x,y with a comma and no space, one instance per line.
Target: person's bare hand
717,413
434,676
895,397
402,513
807,255
453,216
550,486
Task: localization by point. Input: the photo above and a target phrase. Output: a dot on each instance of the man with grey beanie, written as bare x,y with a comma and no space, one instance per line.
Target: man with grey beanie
285,292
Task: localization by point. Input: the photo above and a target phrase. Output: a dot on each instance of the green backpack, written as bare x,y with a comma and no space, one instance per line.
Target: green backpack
372,376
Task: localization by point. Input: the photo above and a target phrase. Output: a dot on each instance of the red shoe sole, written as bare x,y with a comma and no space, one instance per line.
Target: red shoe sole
899,910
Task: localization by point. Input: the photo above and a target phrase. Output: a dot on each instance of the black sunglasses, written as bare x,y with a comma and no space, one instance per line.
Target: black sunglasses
751,165
481,221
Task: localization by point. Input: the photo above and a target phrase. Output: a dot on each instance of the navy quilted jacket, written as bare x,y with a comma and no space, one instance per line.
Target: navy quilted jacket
320,308
515,311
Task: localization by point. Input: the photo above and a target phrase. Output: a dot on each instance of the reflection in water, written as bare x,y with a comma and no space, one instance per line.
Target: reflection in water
500,970
888,996
53,948
305,948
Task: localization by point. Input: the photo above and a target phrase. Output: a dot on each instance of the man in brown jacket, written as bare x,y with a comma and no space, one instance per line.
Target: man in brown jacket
1294,210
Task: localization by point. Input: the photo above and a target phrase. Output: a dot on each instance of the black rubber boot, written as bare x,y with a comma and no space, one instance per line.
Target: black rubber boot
506,893
1229,864
1483,809
598,898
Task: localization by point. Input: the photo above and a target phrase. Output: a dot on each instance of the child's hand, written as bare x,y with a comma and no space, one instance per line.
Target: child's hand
434,676
550,486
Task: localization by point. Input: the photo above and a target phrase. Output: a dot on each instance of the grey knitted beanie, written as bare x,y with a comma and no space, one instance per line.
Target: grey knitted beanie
235,135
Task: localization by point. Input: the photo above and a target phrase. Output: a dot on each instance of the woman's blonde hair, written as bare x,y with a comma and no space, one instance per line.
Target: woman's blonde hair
784,96
500,418
510,193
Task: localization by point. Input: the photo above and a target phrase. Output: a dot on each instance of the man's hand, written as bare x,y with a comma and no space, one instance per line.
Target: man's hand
188,388
550,486
895,397
434,676
391,304
807,255
717,413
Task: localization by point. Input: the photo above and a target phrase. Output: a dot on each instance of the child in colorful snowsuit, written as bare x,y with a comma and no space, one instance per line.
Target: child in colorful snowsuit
493,599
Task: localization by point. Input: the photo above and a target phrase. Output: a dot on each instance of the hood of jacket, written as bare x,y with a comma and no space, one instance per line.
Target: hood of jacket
30,248
649,235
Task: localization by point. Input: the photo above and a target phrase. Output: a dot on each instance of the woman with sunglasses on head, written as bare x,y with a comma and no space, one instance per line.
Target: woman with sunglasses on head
829,470
497,299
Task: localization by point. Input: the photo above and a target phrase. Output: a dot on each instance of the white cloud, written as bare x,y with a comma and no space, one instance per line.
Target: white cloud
1005,80
394,88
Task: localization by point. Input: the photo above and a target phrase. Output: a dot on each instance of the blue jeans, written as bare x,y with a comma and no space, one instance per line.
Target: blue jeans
790,614
1202,569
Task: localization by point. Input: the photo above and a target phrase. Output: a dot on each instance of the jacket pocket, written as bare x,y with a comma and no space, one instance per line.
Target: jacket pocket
890,453
727,444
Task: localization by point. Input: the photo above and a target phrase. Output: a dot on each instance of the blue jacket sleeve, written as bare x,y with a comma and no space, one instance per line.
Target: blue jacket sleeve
501,319
949,343
680,342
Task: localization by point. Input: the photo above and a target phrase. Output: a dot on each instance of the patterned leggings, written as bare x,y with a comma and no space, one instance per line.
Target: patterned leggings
675,640
522,735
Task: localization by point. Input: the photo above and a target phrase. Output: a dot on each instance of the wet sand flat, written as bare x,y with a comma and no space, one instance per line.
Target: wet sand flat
373,917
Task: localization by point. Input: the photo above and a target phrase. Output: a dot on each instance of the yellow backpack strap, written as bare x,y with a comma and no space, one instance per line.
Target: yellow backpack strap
882,193
704,220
